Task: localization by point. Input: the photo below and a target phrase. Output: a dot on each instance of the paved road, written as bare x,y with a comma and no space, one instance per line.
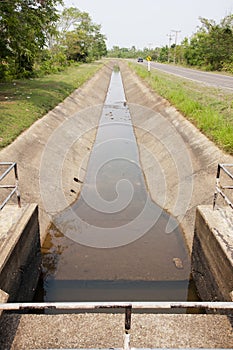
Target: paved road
217,80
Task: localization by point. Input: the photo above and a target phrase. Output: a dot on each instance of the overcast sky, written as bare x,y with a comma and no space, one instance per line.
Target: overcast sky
148,23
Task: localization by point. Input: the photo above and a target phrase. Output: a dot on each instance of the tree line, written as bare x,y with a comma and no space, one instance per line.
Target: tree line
37,39
211,48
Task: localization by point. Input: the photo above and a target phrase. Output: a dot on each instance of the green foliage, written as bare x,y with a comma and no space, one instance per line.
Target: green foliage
124,52
163,55
84,42
25,26
36,40
212,45
51,61
228,66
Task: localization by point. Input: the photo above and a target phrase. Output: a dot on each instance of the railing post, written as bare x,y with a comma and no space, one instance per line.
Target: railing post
217,185
17,185
128,312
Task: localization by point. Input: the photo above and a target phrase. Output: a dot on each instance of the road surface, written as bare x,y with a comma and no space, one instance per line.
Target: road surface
213,79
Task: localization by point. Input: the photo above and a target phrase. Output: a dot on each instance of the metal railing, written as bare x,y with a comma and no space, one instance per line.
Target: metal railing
217,307
220,189
14,188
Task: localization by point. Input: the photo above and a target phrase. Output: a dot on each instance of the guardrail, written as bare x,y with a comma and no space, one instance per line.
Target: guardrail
14,188
219,189
217,307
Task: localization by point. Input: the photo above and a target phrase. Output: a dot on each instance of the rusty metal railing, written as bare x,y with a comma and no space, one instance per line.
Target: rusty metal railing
160,307
220,189
14,188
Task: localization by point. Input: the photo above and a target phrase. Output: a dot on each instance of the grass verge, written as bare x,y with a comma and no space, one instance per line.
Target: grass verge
209,109
22,102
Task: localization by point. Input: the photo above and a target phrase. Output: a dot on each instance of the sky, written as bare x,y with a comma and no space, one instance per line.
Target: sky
149,23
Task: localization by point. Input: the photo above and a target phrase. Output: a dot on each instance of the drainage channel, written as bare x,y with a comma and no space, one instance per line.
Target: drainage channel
114,243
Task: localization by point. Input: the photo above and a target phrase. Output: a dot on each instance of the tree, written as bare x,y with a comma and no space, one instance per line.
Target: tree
195,52
85,41
69,19
25,26
163,55
98,48
212,44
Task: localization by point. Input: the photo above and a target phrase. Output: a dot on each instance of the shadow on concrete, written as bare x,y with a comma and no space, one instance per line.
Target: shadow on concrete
8,327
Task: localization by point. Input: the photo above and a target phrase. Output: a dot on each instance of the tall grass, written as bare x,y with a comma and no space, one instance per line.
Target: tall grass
209,109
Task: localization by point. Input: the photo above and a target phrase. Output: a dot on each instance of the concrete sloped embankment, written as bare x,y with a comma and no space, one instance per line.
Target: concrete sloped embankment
179,162
50,135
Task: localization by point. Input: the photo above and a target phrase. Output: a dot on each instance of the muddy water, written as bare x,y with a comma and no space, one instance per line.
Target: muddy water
114,242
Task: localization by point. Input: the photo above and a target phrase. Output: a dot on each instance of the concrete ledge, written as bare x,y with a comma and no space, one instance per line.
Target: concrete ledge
212,256
107,331
20,255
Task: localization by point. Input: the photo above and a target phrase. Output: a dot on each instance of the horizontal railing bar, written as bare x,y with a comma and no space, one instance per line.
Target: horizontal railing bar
7,186
226,164
6,163
108,305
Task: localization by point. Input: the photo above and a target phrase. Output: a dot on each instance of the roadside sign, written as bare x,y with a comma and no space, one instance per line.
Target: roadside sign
148,63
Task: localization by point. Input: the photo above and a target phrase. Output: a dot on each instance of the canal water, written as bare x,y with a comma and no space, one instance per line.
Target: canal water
114,243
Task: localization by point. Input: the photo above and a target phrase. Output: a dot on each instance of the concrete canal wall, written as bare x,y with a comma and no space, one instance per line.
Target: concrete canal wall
212,254
20,253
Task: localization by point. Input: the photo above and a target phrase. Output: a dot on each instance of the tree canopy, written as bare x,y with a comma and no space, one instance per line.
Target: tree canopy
80,36
34,32
24,26
212,44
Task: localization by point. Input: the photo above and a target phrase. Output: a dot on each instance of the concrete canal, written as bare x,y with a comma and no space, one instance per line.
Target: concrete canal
111,240
114,242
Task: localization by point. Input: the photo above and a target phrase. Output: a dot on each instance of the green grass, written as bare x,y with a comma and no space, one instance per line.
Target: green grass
22,102
209,109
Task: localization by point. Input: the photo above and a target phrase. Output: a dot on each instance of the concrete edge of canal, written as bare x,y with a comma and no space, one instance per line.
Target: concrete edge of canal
151,330
20,252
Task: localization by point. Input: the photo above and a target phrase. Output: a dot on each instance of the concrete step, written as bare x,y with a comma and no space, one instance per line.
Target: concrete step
106,330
